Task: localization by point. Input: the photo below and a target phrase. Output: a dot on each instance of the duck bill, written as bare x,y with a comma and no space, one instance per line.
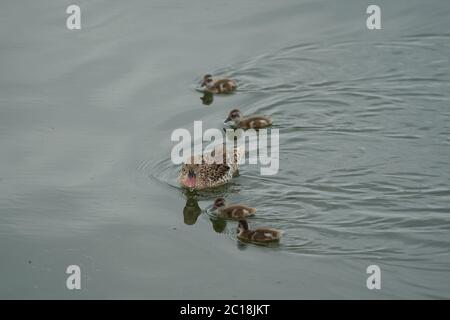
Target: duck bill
191,180
227,119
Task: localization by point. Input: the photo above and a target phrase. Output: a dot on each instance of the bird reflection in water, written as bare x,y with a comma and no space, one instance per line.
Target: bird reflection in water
207,98
192,211
219,224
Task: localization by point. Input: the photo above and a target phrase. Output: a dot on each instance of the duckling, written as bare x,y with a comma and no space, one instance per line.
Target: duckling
218,86
253,122
258,236
232,211
209,172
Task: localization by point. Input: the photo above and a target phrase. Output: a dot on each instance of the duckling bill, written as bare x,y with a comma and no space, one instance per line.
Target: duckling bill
252,122
232,211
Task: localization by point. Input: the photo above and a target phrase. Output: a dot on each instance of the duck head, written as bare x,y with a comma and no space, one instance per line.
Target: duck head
189,173
234,116
218,203
207,81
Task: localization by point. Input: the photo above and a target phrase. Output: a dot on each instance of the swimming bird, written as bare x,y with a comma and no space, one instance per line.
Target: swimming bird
211,169
232,211
252,122
258,236
218,86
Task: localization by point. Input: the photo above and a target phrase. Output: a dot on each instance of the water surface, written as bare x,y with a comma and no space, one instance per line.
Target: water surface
85,172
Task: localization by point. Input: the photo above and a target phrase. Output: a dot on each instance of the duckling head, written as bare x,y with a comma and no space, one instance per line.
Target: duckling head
243,226
218,203
234,116
188,176
207,81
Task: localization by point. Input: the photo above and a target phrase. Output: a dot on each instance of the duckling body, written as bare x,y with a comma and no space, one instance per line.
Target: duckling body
218,86
232,211
258,236
236,211
206,171
253,122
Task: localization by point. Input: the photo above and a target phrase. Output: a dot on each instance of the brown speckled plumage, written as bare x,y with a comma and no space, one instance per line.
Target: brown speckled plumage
213,169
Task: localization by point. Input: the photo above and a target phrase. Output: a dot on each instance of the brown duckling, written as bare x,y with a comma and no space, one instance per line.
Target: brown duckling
232,211
218,86
209,173
253,122
258,236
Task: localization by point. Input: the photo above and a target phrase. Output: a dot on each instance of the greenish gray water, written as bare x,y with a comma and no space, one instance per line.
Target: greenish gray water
85,172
